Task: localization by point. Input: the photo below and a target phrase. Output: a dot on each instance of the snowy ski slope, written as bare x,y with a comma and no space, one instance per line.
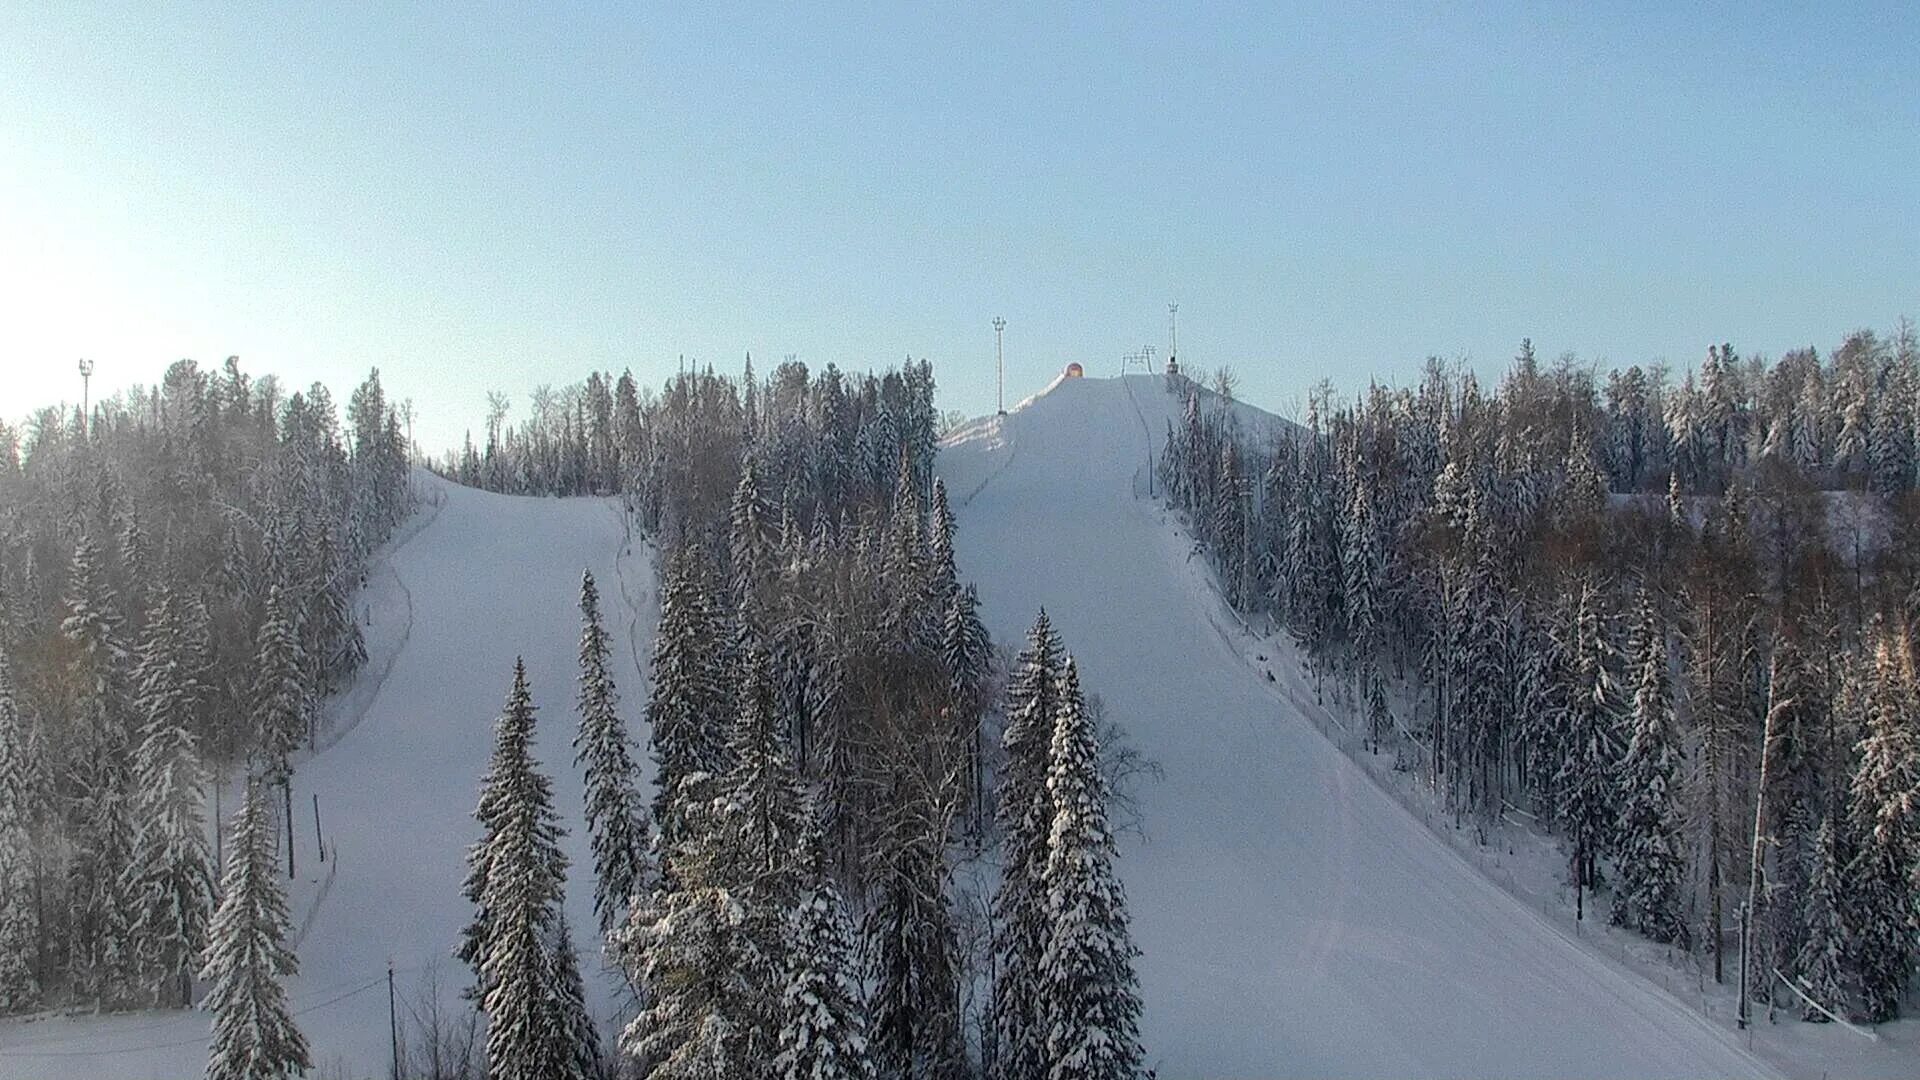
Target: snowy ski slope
477,579
1295,920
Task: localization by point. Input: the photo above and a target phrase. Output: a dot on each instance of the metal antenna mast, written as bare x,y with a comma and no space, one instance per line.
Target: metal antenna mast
86,382
1173,330
1000,359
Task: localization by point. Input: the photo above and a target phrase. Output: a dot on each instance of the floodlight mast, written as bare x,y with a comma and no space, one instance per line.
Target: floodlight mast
1000,361
86,384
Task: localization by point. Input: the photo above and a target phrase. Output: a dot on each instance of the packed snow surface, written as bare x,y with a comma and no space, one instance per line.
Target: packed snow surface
475,580
1294,919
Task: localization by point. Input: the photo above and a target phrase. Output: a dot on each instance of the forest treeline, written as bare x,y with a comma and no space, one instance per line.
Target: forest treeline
177,572
802,895
808,890
1673,623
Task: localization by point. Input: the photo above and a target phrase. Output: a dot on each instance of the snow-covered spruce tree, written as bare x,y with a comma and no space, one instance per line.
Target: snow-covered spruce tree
1885,811
1650,856
171,876
1589,799
763,798
912,951
570,1004
1823,961
615,815
279,696
941,525
687,949
101,953
523,880
1024,813
967,654
1087,984
684,714
748,542
254,1036
19,913
822,1021
1230,528
904,621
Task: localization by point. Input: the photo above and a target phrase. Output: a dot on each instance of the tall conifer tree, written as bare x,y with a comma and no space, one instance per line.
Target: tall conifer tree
254,1036
616,821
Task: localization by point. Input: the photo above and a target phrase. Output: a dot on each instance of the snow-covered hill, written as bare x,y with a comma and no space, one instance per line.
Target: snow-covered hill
477,580
1295,920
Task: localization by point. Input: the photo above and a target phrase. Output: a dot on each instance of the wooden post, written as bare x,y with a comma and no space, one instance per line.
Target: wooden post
319,838
286,788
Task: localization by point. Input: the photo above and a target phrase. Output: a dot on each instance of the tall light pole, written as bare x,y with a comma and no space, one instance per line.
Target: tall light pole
86,381
1000,359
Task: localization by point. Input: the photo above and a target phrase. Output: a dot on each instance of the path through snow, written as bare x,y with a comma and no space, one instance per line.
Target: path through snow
1295,920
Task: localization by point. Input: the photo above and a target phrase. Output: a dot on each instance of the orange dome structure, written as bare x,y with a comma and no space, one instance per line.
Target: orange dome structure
1075,371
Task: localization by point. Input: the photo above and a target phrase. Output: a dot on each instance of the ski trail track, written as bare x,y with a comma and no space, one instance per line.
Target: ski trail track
1295,920
481,579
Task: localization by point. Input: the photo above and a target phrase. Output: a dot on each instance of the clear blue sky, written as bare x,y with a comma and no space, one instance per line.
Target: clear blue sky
478,198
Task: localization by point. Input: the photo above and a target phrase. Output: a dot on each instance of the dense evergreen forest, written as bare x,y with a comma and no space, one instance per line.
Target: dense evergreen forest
830,767
808,885
1673,623
177,568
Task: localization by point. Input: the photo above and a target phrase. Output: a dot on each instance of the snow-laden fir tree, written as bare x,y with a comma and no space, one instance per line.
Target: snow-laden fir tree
583,1037
912,950
764,801
522,874
686,711
19,912
1823,961
1230,528
254,1036
171,876
945,575
1024,813
101,952
687,948
748,542
1090,994
1588,795
1885,827
822,1032
1651,856
615,814
967,653
279,696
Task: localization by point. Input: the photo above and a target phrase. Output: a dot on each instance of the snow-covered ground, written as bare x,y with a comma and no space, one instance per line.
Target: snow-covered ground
1295,919
482,578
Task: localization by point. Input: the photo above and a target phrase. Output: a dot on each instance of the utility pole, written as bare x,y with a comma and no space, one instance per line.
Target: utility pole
286,788
1000,359
393,1022
1750,907
86,384
319,838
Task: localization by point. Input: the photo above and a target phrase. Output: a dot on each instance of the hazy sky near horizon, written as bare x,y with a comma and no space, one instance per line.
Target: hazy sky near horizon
475,197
